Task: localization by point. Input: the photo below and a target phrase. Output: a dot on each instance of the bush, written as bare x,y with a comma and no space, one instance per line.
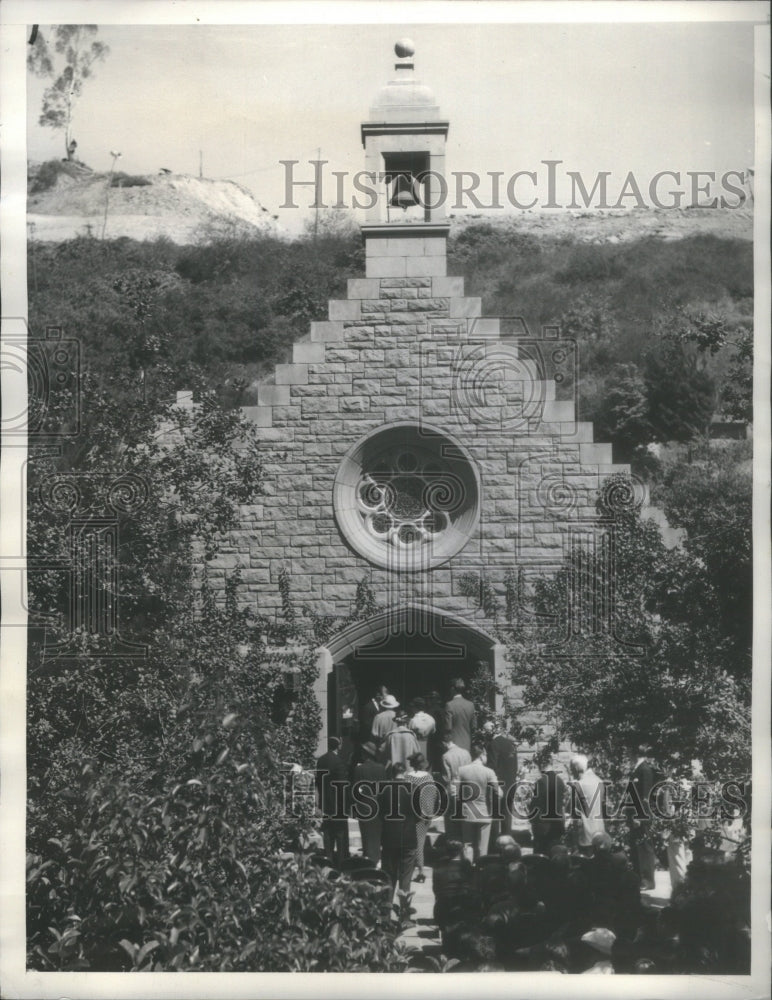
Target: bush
194,878
123,180
48,174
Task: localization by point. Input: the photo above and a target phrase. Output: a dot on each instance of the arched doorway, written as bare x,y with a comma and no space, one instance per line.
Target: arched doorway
412,649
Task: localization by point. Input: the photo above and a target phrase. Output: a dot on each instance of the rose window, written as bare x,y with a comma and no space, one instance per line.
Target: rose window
407,498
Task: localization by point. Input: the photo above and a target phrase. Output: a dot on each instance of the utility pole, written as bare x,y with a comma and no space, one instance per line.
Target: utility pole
115,157
200,164
316,200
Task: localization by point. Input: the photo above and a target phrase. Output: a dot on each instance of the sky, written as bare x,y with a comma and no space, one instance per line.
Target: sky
615,97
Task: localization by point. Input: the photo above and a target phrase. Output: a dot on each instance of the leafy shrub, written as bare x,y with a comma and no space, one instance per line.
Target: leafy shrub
592,262
48,174
123,180
195,879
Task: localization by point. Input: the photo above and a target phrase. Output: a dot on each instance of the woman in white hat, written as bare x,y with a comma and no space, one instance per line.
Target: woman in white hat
383,723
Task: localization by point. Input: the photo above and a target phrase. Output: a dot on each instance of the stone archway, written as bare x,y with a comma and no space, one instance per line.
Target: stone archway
412,648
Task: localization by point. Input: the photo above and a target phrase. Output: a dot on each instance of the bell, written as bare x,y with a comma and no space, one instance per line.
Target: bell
404,195
406,200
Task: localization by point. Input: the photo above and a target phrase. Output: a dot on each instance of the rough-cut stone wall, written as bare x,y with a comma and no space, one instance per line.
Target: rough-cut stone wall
406,345
409,349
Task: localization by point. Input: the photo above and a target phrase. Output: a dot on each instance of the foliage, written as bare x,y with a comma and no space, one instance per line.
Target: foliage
680,386
331,224
239,303
187,684
661,672
675,314
320,628
699,363
481,690
478,588
712,500
622,415
712,908
220,315
119,179
48,173
195,878
68,65
738,391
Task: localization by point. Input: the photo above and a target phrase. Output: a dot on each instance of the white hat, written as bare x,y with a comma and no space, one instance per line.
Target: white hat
389,702
601,939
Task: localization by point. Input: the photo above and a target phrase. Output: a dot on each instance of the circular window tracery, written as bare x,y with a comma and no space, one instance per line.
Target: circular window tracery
407,498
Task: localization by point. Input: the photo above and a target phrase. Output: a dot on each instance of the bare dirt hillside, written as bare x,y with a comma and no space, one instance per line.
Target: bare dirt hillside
622,225
190,209
182,208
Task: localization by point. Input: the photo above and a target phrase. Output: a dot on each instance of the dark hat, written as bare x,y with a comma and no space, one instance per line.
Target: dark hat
369,748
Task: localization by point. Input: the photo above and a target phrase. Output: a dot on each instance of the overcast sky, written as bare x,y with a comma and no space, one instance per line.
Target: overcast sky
616,97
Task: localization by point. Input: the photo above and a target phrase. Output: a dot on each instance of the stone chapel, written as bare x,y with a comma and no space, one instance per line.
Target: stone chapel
417,443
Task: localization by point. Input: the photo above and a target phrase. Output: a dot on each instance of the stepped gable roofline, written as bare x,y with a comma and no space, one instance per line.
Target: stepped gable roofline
404,99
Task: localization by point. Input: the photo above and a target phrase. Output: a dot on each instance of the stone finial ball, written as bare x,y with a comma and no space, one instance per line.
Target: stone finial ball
404,48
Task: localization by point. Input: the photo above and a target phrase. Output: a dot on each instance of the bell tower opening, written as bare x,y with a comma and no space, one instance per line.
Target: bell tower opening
405,176
404,140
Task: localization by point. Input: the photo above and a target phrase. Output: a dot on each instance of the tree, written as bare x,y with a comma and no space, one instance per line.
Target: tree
682,394
622,414
75,51
712,501
698,364
670,675
738,391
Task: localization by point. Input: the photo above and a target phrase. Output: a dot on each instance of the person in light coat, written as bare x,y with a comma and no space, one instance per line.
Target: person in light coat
477,789
587,797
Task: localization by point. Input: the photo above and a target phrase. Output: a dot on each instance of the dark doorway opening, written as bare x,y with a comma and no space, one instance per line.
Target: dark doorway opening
419,653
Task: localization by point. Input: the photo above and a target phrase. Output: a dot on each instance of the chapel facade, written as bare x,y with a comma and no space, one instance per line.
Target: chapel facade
417,444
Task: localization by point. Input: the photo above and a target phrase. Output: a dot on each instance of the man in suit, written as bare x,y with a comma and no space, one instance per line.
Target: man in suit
399,840
588,803
478,787
460,715
332,789
369,777
453,758
502,757
645,776
548,805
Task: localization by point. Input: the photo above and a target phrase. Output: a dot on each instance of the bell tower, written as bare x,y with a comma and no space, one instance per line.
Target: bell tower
404,138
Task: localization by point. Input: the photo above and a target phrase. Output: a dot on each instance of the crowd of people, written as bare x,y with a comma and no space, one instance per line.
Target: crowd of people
573,904
583,913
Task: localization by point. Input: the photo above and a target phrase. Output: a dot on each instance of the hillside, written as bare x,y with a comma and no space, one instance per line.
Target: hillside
68,200
620,225
181,208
